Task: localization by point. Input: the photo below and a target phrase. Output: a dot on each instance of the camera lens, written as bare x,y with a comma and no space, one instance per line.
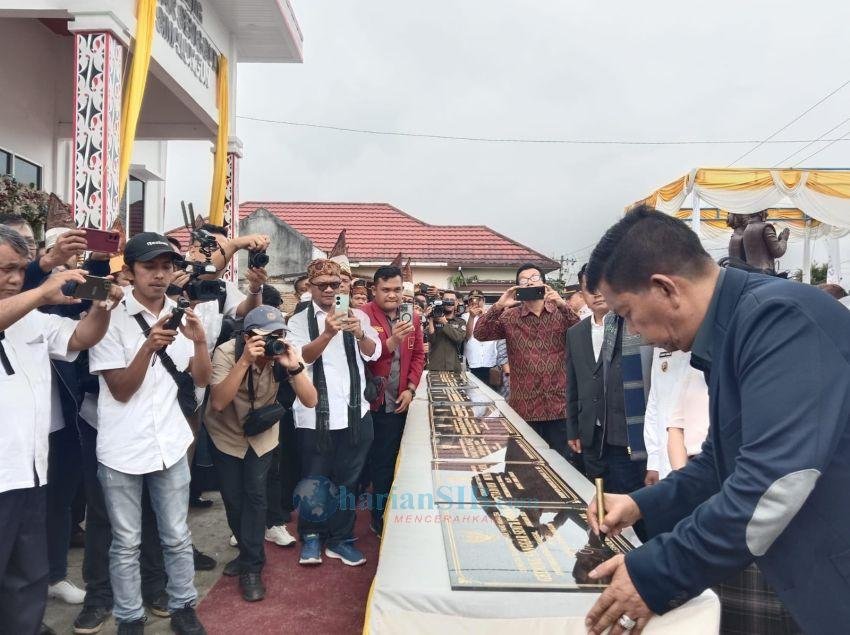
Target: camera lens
258,259
274,346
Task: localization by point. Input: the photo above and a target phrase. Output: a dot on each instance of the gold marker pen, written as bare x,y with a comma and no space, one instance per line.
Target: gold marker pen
600,506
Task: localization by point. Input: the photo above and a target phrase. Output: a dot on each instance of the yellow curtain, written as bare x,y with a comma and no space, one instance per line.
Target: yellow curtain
717,217
829,182
134,91
731,179
220,167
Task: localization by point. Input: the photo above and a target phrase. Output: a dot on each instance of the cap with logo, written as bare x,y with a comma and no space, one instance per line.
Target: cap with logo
147,246
264,320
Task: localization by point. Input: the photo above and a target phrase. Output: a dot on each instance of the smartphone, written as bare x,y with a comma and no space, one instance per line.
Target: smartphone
102,241
405,312
94,288
530,293
342,303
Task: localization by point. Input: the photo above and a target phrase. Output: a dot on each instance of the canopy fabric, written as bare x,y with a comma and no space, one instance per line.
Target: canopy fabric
219,183
714,229
824,195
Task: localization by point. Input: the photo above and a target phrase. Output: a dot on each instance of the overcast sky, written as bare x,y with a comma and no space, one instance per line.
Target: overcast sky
552,69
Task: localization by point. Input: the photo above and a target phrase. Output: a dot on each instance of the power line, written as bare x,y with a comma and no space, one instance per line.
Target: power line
789,124
811,143
445,137
828,145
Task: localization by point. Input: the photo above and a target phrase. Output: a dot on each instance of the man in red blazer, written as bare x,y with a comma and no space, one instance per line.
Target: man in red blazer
397,372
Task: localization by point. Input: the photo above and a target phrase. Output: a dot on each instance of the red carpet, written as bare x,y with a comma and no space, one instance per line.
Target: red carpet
327,599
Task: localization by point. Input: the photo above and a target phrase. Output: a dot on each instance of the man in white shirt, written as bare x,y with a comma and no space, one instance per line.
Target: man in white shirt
335,436
142,434
667,370
28,340
480,356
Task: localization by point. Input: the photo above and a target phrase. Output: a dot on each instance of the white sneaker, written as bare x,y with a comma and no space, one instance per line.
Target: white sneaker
67,592
233,541
279,536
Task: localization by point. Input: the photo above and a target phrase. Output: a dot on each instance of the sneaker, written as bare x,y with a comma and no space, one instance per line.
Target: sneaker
233,541
158,604
252,587
347,552
136,627
91,619
232,568
280,536
203,562
67,592
185,622
311,550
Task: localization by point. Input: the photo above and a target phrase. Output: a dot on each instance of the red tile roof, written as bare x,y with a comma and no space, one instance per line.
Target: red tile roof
376,232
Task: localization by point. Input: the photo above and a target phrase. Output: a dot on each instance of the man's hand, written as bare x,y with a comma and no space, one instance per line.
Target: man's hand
256,279
620,598
442,320
508,299
51,289
476,309
116,294
252,242
71,243
193,329
333,324
400,331
351,324
575,445
403,402
255,348
651,477
179,278
553,296
621,511
159,337
291,358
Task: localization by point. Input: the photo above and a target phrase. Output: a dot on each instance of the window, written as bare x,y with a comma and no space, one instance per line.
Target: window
26,172
135,206
5,162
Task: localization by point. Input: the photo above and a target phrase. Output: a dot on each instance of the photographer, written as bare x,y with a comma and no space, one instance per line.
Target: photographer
446,334
28,341
482,357
242,420
147,372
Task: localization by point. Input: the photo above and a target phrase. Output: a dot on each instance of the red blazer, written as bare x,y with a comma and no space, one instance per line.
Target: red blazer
412,352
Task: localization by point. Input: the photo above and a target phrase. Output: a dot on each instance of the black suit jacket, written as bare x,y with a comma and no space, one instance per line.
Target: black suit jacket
585,385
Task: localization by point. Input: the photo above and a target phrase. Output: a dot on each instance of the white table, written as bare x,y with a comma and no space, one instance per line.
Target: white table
412,594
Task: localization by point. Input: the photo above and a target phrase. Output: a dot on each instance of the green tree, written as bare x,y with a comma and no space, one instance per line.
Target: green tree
819,273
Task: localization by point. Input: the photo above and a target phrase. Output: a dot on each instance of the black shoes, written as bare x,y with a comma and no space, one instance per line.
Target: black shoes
200,503
91,619
253,589
158,604
185,622
203,562
232,568
136,627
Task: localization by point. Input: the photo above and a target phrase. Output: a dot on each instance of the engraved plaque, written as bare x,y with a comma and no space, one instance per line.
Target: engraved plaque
472,395
474,448
461,426
465,411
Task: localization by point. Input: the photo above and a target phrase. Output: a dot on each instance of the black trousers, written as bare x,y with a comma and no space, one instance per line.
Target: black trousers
64,476
99,534
284,474
388,429
614,465
483,373
554,432
243,489
342,466
23,560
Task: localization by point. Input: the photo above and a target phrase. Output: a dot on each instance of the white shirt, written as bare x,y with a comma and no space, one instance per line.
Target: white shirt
668,370
148,432
210,316
29,344
335,365
480,354
690,410
597,336
584,312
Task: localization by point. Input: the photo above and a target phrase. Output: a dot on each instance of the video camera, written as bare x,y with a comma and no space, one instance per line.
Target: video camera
198,290
439,307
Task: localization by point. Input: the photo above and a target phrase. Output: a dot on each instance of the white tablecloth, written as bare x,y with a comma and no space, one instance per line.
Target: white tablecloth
412,594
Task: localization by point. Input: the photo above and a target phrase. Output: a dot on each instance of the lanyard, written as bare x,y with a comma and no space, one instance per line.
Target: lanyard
4,359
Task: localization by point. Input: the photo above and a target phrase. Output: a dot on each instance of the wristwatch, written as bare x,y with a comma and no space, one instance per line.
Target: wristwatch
412,391
300,368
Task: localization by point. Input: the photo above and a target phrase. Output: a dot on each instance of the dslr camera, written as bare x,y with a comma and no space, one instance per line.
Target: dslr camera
274,346
257,259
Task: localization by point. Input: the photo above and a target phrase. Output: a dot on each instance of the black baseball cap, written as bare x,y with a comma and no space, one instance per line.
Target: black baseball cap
147,246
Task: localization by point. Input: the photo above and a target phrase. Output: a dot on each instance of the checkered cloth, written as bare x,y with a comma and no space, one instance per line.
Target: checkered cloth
750,607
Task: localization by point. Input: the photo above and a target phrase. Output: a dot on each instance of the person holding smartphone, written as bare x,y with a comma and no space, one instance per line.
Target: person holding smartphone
534,331
246,373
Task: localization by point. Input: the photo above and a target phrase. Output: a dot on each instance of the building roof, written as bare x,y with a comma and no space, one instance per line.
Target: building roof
376,232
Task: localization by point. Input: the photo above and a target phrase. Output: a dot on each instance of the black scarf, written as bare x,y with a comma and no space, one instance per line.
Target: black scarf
323,409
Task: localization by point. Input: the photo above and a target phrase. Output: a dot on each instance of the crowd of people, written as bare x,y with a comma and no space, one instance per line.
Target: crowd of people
127,401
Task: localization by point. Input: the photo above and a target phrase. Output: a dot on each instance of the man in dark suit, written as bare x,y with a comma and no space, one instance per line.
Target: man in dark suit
596,420
771,483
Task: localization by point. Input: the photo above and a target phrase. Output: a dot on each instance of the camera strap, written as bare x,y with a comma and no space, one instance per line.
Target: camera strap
167,363
251,394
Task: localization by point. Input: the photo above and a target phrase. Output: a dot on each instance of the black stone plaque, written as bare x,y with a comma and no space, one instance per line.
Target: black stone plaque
459,395
462,426
450,380
464,411
501,548
475,448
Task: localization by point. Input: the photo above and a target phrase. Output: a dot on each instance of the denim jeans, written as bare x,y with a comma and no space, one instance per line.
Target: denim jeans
64,477
243,490
342,465
169,493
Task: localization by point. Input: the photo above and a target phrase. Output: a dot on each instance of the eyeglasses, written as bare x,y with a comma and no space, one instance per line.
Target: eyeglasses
321,286
530,279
